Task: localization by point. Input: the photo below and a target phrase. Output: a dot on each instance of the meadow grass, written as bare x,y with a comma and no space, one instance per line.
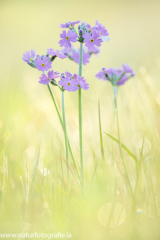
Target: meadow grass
34,185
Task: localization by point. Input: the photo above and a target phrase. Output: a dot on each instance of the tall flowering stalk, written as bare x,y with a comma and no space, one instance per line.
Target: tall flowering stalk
92,37
118,77
44,63
80,116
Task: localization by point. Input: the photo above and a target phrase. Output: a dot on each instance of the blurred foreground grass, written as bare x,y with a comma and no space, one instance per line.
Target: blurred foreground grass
32,141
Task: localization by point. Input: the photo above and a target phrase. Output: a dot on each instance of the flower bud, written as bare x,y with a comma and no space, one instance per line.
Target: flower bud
32,64
80,31
62,75
53,82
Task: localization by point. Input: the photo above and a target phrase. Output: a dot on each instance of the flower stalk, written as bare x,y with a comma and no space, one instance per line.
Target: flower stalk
80,117
61,122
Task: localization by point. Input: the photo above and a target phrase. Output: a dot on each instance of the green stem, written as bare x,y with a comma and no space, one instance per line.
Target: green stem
61,122
65,136
27,189
138,182
80,117
101,139
119,138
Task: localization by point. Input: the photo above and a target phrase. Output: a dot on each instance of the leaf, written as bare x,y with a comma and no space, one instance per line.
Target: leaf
125,148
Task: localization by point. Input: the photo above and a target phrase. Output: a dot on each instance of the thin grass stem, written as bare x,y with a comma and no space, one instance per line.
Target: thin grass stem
27,188
65,136
101,138
119,138
138,182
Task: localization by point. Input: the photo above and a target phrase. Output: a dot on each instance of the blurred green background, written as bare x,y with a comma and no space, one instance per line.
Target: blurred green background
27,114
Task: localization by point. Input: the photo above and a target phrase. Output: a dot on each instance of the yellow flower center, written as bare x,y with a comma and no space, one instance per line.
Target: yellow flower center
72,77
90,30
92,40
30,59
47,79
42,64
101,34
67,38
78,85
68,84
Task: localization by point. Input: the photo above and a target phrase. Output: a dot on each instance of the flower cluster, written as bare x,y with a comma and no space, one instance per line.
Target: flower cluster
115,75
43,63
73,82
91,36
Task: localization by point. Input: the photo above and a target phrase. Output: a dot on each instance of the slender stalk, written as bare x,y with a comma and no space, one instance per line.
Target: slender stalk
80,117
119,138
101,139
138,182
27,189
61,122
65,136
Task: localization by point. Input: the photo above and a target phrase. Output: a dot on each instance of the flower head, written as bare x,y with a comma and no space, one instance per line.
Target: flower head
69,24
92,40
56,53
43,63
67,38
68,83
115,75
29,56
72,82
81,82
45,79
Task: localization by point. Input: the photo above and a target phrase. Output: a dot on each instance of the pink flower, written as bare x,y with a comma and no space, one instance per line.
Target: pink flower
69,24
67,38
81,82
45,79
43,63
29,56
103,31
91,41
73,82
116,75
68,84
127,68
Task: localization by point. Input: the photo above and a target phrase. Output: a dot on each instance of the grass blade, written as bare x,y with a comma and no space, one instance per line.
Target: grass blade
101,139
125,148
